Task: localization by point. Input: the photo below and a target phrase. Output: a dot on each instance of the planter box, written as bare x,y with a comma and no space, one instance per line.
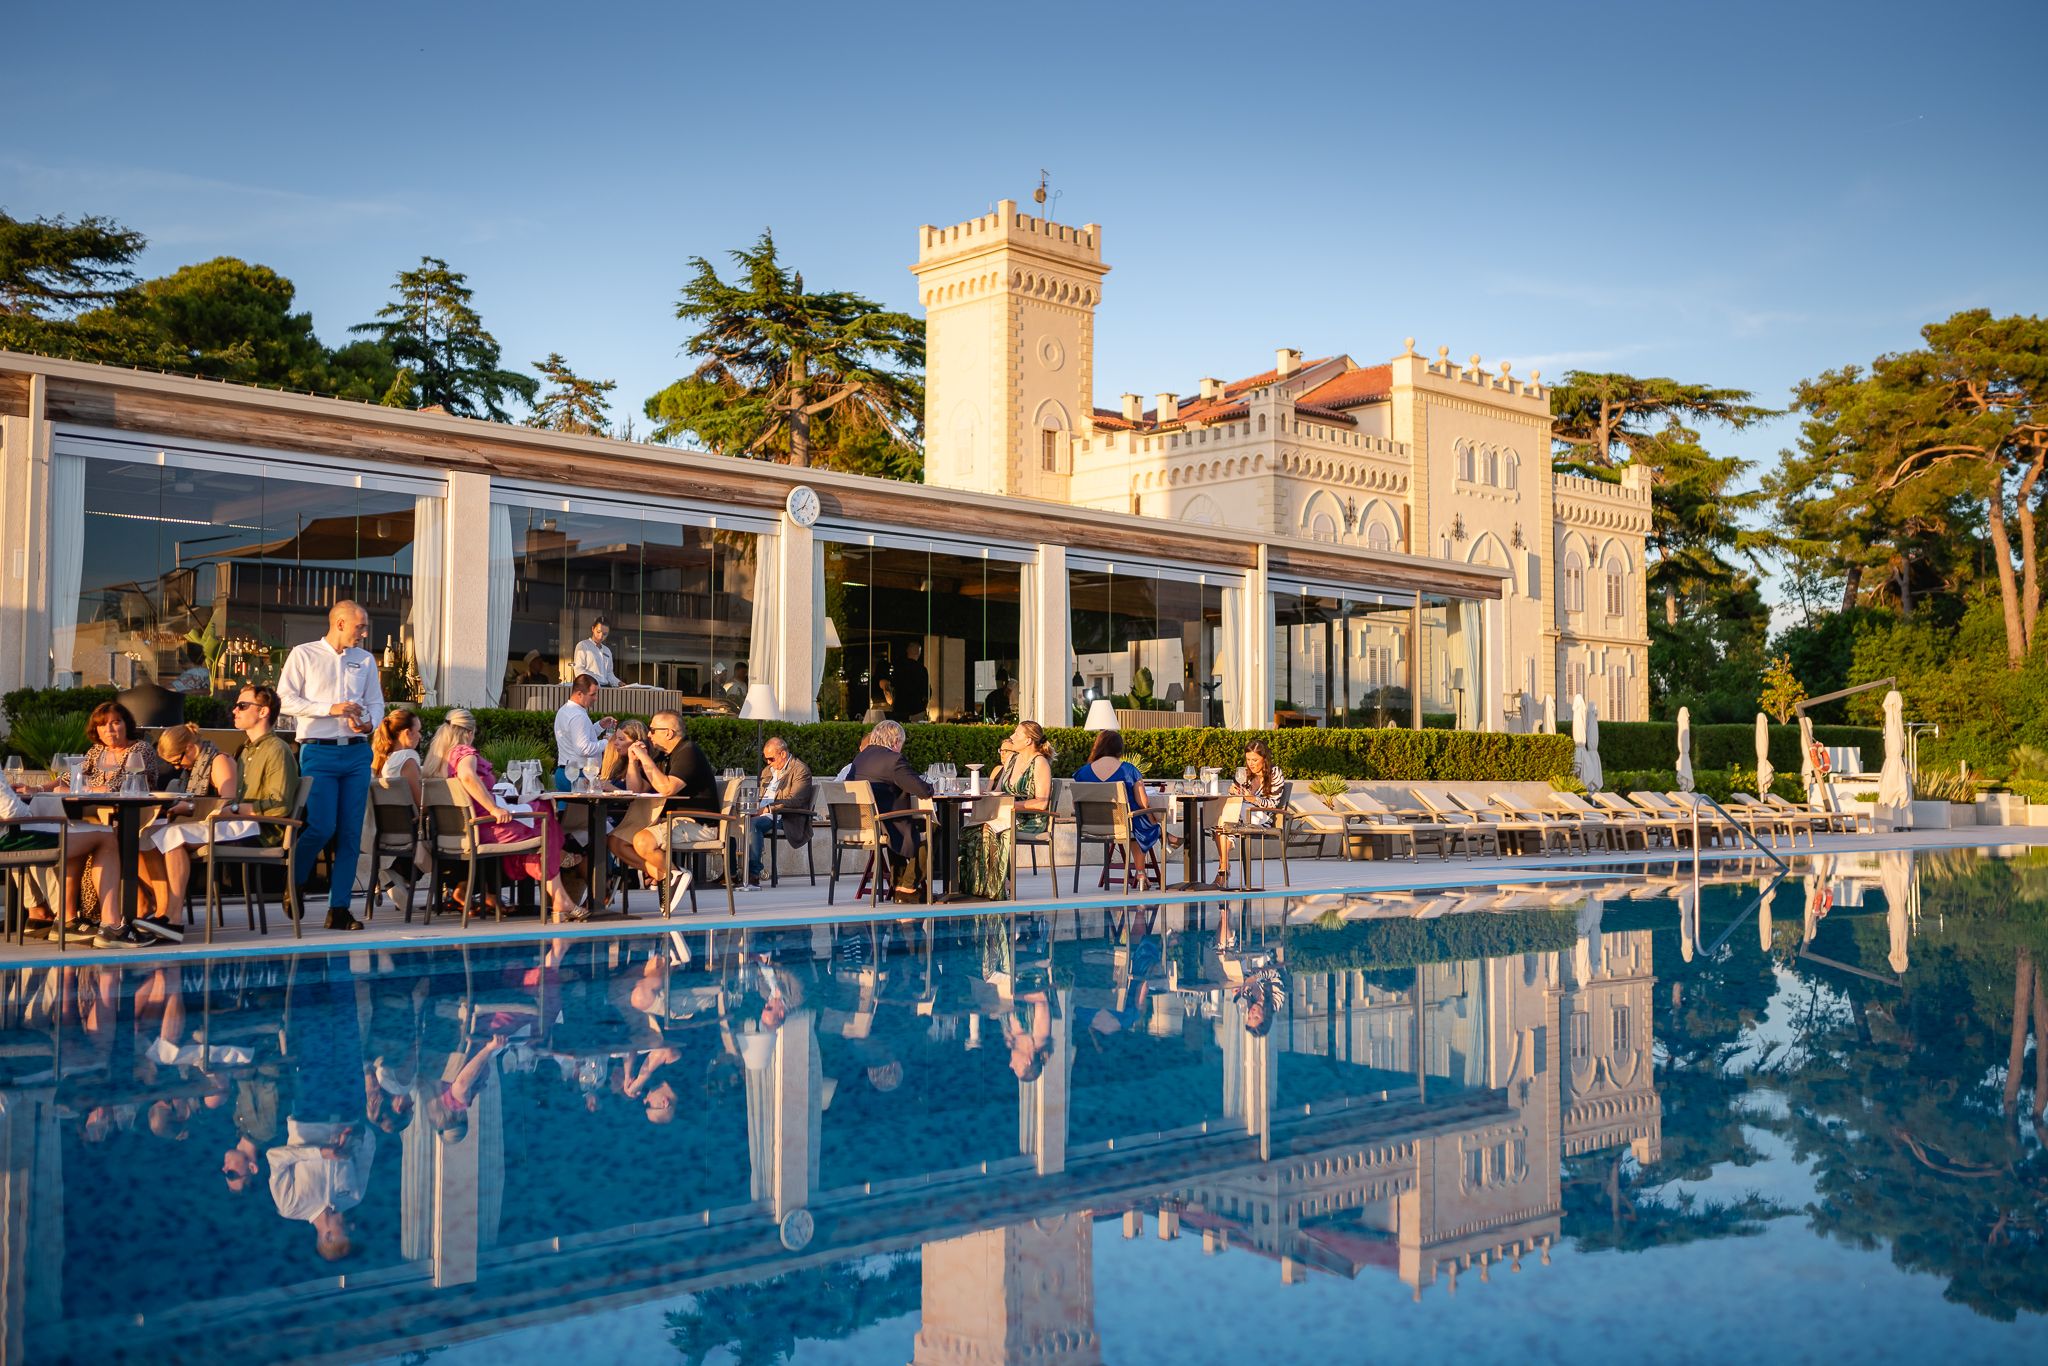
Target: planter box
2001,808
2037,815
1961,814
1933,815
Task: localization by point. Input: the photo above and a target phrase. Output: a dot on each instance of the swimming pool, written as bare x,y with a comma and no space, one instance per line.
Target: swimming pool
1601,1117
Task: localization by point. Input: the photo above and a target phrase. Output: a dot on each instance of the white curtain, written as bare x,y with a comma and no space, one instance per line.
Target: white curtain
429,557
67,562
1054,658
498,627
819,616
1230,658
764,650
1028,664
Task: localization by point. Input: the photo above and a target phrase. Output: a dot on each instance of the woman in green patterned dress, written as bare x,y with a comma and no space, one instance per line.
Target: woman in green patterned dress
1026,774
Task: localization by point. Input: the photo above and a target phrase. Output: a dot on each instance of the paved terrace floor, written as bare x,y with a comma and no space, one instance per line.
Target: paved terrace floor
795,902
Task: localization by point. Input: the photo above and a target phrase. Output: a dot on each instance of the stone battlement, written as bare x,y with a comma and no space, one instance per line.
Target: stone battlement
1006,227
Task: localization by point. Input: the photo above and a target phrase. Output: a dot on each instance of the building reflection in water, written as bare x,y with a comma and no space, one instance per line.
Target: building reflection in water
433,1146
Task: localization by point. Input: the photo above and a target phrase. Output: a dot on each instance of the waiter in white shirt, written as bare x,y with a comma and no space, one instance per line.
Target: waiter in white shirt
318,1174
330,686
594,657
578,739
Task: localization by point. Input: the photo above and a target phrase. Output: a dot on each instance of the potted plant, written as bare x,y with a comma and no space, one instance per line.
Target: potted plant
1944,799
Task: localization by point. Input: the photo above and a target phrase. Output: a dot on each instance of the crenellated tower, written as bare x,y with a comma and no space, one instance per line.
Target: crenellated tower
1009,304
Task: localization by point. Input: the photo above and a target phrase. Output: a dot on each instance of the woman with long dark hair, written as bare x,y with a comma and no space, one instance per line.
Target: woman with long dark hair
1258,793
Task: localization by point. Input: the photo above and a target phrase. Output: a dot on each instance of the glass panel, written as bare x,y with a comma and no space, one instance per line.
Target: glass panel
1148,640
1339,662
678,600
204,578
1452,677
921,636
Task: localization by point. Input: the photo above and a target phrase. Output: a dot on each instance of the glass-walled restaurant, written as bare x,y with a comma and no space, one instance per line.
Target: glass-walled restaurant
200,570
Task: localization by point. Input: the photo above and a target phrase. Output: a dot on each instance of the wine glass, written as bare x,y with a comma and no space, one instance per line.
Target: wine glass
14,770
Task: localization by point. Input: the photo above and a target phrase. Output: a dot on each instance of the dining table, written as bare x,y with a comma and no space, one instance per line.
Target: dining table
597,809
1195,809
127,813
951,809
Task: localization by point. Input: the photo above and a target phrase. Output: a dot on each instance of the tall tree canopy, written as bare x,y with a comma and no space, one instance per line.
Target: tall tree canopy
446,358
827,378
59,267
230,320
571,403
1603,421
1962,417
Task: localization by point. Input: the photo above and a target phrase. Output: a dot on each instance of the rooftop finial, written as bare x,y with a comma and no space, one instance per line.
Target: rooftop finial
1408,347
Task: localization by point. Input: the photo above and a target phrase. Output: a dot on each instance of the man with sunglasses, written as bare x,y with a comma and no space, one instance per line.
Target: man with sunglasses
270,772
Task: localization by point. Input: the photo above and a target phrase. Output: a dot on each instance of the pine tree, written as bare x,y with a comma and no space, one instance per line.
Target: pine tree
571,403
58,267
446,359
827,378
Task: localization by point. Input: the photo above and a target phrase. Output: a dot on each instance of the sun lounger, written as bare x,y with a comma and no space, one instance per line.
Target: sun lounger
1664,823
1523,830
1791,822
1571,829
1845,820
1617,826
1377,818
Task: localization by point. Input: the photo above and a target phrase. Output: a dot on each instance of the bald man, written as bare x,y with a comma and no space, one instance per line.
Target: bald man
330,687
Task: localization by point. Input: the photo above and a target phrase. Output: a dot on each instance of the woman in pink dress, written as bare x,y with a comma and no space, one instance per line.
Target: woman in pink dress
453,756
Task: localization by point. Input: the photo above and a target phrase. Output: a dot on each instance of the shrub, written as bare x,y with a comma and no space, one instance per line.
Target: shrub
1652,744
1717,783
22,703
1389,753
1383,944
40,735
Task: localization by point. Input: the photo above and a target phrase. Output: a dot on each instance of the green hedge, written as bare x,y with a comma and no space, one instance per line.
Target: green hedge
1714,782
1381,944
211,712
827,746
1654,744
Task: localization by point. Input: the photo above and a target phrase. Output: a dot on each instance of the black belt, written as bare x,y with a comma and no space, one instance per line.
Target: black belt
340,740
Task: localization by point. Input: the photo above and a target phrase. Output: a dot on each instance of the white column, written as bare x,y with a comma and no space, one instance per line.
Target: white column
796,669
798,1105
467,584
25,544
1493,667
1050,672
1257,682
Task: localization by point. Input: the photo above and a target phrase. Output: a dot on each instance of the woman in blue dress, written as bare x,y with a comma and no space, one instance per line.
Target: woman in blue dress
1106,764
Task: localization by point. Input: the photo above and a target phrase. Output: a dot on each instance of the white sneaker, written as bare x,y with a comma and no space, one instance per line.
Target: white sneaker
679,889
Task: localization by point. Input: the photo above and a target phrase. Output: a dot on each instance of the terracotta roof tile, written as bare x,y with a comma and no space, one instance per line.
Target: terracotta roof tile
1366,385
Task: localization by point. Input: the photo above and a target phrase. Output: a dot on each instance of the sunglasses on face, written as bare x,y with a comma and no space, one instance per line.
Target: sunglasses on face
244,706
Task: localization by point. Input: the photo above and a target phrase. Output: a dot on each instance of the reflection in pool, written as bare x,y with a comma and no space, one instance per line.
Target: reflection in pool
1607,1118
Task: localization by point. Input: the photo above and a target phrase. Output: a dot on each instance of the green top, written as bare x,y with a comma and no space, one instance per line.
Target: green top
270,776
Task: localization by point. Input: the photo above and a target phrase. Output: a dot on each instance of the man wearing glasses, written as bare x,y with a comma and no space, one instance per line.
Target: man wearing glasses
270,773
672,765
330,687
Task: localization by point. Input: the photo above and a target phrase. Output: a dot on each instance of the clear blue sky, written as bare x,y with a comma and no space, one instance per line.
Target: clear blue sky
1734,193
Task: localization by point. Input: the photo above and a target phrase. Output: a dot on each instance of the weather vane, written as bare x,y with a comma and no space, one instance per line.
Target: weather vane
1038,196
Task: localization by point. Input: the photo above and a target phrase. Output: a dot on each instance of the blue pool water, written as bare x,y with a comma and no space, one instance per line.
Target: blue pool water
1625,1118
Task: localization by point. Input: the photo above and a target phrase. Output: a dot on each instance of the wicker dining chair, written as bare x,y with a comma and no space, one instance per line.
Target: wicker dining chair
253,856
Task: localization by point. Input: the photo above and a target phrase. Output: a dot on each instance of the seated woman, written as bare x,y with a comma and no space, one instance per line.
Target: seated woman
1026,774
116,751
87,842
1106,764
395,766
620,771
453,755
1259,792
167,845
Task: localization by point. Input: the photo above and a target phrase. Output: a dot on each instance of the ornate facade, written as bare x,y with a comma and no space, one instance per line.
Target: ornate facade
1416,456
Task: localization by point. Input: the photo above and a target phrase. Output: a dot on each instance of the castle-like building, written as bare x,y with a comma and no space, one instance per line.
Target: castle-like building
1412,455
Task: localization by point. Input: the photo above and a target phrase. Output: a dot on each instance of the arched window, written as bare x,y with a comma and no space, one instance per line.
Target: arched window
1377,537
1514,471
1262,422
1574,582
1617,589
1489,468
1464,462
1324,528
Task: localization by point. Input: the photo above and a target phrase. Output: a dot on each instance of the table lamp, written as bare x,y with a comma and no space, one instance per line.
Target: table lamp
1101,715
